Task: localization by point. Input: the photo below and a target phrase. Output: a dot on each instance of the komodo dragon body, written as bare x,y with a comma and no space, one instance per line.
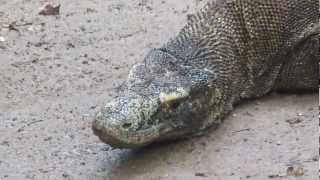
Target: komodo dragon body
227,52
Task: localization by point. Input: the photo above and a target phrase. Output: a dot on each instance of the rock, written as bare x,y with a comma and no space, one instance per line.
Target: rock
50,10
295,171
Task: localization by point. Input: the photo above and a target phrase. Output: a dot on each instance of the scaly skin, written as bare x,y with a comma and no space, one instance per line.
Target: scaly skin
227,52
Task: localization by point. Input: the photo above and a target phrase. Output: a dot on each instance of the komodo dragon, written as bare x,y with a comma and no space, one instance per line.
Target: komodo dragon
227,52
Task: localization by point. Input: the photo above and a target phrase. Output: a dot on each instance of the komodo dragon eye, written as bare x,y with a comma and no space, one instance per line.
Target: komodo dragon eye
173,99
171,105
175,104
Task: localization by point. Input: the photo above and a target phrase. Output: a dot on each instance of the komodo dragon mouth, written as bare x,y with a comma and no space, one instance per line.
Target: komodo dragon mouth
235,50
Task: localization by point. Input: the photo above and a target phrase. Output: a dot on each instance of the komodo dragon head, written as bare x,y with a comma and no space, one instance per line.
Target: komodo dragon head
165,98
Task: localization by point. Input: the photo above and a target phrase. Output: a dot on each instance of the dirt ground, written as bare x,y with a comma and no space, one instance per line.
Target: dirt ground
56,71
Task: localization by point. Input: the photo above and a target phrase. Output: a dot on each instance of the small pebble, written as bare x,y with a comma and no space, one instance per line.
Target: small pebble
2,39
31,28
65,175
199,174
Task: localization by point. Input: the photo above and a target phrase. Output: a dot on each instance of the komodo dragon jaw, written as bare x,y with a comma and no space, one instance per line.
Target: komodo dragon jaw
164,106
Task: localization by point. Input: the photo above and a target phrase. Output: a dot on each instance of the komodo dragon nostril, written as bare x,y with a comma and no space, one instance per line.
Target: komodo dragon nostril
126,125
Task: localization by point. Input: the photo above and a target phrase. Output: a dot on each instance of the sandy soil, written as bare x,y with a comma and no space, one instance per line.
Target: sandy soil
56,71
